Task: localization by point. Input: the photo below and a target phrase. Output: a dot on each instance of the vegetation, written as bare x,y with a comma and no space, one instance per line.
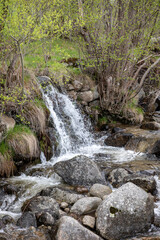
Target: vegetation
114,38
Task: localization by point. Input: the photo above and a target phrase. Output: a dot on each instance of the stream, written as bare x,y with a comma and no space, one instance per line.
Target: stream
74,136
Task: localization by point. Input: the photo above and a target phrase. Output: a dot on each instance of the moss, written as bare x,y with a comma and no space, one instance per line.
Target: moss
103,120
114,210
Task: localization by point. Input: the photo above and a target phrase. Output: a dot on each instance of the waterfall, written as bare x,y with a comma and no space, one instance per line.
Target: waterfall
68,121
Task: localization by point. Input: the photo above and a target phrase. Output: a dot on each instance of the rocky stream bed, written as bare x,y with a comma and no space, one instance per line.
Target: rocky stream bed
96,185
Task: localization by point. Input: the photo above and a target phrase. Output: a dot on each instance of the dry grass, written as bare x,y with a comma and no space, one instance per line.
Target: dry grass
36,117
7,166
24,146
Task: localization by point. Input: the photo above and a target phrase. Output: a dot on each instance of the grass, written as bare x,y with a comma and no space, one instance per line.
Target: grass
40,103
4,149
18,129
55,50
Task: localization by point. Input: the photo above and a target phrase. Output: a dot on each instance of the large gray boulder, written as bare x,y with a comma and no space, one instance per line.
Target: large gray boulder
79,171
125,212
70,229
86,205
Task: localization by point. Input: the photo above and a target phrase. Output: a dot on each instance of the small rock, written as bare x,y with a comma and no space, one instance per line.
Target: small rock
88,221
62,213
27,219
77,85
99,190
150,126
69,228
67,210
86,205
64,205
116,176
46,218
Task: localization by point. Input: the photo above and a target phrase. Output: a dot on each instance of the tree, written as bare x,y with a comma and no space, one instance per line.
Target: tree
117,36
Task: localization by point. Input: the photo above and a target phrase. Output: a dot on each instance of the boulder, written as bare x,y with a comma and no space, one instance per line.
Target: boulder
99,190
116,176
118,139
8,122
46,209
88,221
27,219
62,195
146,182
77,85
86,96
86,205
125,212
150,125
71,229
79,171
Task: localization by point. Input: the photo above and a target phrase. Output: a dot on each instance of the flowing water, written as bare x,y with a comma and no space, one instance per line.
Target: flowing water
74,138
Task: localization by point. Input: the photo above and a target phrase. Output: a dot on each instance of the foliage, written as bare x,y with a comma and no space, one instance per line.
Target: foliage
117,36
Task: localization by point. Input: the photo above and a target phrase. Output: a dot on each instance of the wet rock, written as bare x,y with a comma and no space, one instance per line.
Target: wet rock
119,139
156,220
69,228
30,233
99,190
79,171
7,219
148,183
86,96
62,195
86,205
156,149
11,189
125,212
116,176
44,208
88,221
46,218
27,219
117,129
150,126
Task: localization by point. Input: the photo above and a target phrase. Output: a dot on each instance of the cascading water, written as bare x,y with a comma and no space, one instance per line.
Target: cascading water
67,120
73,138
